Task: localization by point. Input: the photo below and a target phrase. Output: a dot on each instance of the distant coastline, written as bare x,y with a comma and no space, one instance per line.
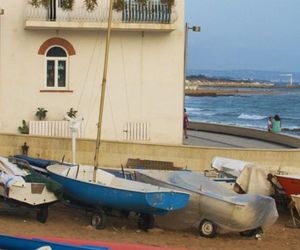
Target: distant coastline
215,86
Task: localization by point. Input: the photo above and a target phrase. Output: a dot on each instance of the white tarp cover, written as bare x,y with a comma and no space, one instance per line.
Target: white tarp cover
253,179
230,166
10,168
209,200
8,180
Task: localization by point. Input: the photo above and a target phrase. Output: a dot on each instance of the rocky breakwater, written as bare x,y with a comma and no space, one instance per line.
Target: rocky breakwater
204,86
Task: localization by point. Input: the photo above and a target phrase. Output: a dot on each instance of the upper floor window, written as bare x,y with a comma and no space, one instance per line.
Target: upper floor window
56,68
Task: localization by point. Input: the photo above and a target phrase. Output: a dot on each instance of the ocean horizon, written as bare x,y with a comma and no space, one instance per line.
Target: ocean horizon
248,110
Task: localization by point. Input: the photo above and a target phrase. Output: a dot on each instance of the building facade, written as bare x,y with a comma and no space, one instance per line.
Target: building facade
53,58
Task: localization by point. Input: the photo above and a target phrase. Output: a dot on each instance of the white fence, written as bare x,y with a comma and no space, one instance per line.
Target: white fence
52,128
136,131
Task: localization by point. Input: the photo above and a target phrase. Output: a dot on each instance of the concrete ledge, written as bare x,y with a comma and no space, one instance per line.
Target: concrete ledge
283,139
61,25
113,154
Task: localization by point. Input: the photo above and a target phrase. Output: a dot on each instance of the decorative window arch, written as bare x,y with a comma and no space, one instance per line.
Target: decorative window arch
56,51
59,42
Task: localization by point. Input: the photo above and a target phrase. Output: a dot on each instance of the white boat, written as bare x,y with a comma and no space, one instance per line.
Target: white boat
14,189
212,207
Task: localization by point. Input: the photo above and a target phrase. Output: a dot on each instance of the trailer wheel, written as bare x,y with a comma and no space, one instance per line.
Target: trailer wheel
145,222
42,214
251,233
207,229
98,220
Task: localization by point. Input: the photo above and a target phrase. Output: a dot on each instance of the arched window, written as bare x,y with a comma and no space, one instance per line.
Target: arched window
57,67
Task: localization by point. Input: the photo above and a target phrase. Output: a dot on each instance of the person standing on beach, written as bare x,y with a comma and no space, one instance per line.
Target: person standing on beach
276,124
185,123
270,123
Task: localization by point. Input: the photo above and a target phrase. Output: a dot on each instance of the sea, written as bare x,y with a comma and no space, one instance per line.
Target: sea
249,110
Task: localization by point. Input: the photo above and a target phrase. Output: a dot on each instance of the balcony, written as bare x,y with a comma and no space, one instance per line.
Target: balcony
153,16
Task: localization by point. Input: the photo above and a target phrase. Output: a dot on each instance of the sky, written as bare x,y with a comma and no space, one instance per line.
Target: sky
244,35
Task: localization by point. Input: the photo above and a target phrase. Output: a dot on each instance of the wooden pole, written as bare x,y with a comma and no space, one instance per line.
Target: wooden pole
103,89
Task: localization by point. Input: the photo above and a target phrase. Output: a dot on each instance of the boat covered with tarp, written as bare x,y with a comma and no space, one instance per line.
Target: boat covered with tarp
212,207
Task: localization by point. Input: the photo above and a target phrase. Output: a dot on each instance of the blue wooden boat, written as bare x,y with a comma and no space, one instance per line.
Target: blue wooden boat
109,192
37,164
18,243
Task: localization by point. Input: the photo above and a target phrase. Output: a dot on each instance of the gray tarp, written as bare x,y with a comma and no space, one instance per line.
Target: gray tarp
209,200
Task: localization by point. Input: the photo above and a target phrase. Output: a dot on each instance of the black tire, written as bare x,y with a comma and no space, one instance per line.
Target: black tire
146,222
207,229
251,232
42,214
98,220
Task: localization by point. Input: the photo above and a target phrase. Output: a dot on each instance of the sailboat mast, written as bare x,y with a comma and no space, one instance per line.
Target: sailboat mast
103,88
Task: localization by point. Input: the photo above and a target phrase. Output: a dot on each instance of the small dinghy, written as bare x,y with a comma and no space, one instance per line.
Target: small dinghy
37,164
212,207
290,183
109,192
25,188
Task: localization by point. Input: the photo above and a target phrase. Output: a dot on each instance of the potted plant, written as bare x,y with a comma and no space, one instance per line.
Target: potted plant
24,129
72,113
169,2
41,113
65,4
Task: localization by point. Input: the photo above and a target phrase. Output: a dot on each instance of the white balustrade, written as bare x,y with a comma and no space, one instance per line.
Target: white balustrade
52,128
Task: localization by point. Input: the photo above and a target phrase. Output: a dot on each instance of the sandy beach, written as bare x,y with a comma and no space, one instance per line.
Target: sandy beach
68,222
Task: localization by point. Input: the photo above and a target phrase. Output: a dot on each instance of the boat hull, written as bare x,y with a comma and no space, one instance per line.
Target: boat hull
110,245
290,183
106,196
18,243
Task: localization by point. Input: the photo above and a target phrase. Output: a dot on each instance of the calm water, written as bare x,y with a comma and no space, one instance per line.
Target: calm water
248,110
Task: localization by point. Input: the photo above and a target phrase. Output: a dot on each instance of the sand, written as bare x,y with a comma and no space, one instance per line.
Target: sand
68,222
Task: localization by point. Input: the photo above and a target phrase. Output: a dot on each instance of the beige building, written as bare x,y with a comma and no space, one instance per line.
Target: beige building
53,59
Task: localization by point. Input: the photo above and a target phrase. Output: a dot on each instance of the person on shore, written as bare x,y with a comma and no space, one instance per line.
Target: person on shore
270,123
276,124
185,123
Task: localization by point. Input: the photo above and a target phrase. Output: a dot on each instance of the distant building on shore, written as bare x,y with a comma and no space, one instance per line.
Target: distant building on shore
53,58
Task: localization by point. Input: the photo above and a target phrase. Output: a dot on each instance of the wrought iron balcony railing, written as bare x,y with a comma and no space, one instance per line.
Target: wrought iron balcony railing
133,12
151,12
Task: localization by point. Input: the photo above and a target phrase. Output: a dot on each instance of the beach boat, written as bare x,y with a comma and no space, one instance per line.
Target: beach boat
290,183
103,191
19,243
37,164
228,166
16,187
96,243
109,193
212,208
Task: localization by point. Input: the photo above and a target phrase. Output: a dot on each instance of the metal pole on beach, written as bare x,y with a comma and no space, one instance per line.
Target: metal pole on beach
103,89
